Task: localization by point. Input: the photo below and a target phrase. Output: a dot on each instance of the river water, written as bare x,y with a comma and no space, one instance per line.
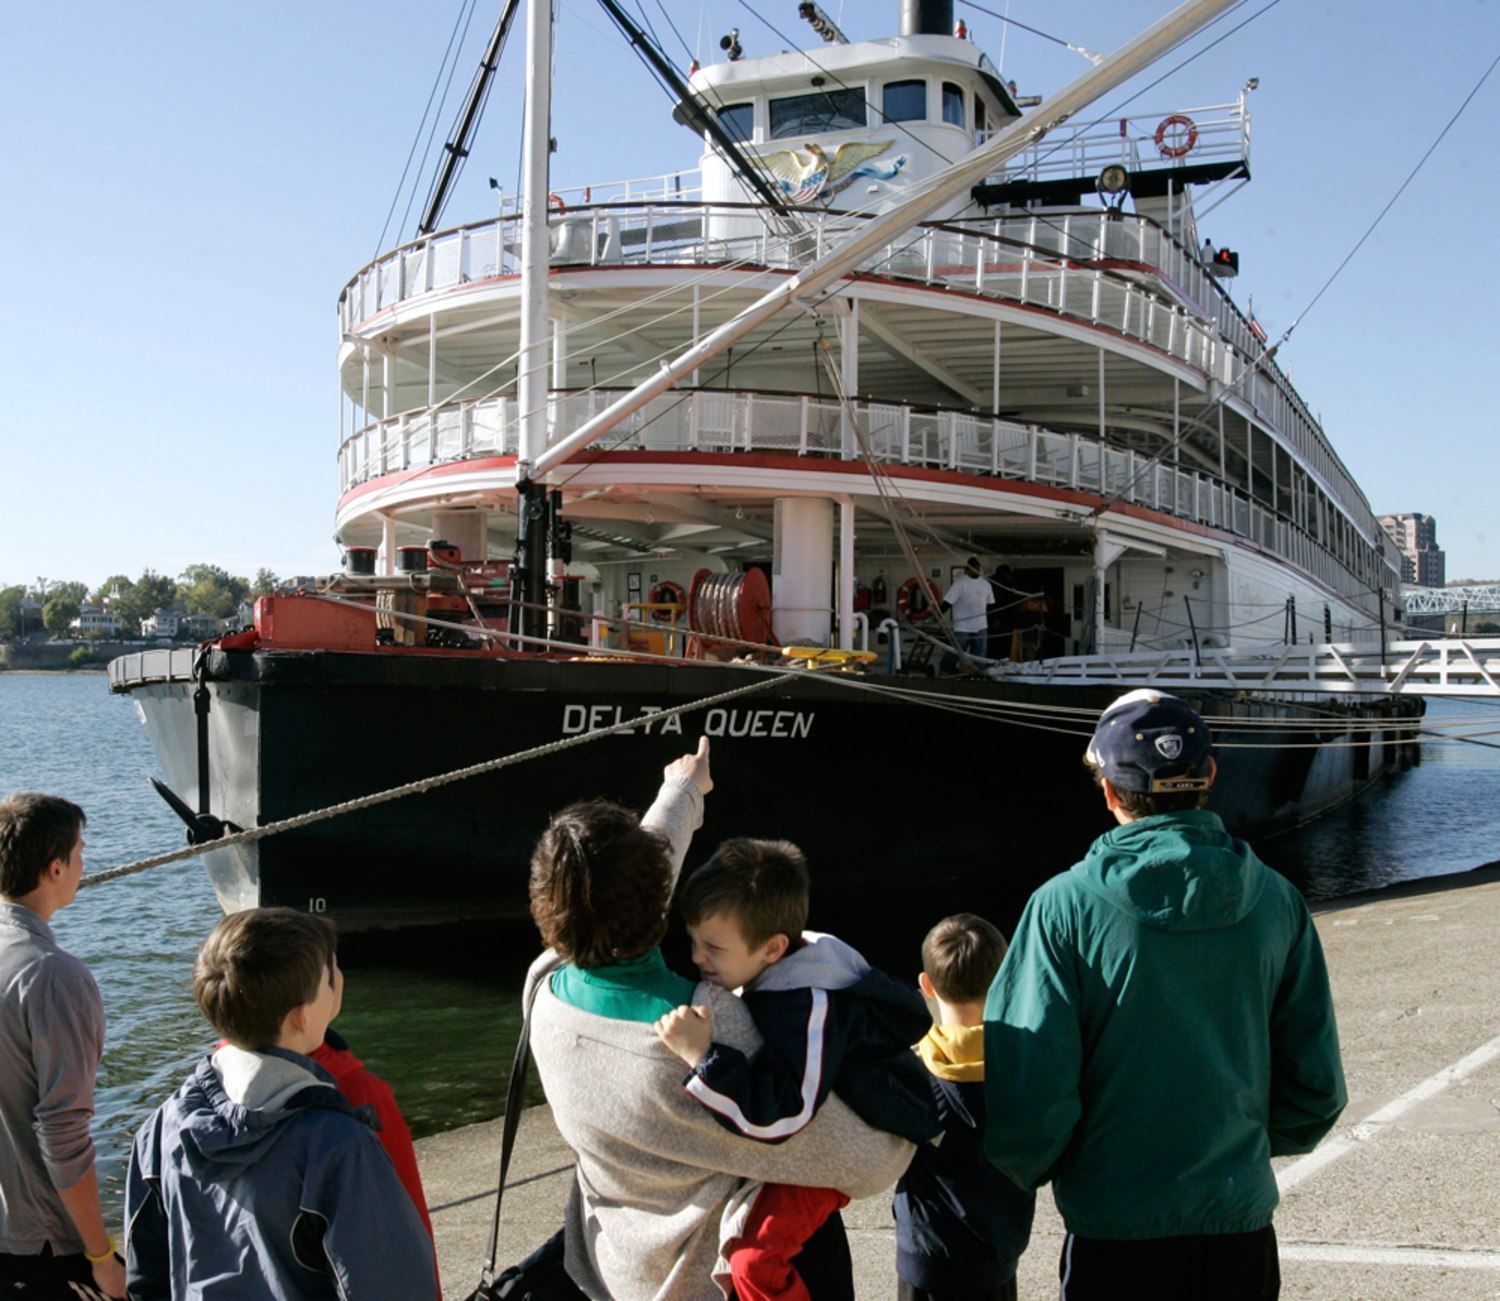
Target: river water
442,1031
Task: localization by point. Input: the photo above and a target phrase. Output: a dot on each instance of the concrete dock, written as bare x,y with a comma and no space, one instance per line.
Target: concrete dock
1402,1200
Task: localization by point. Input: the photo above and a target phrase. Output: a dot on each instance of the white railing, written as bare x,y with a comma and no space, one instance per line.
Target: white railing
1462,668
1216,133
1069,265
707,420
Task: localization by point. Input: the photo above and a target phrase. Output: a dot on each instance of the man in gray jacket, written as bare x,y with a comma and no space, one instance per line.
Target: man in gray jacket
53,1242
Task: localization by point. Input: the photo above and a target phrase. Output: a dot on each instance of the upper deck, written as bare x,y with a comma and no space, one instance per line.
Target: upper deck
1082,279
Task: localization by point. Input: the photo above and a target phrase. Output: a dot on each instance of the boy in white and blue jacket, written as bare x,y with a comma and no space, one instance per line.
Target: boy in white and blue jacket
831,1024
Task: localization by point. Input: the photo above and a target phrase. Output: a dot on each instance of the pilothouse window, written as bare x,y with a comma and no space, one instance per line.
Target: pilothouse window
905,101
828,110
953,104
738,121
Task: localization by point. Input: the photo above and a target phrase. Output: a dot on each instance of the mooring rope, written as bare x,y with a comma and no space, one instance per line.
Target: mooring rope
421,786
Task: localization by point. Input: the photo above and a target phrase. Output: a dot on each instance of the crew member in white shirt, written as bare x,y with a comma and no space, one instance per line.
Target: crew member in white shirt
969,600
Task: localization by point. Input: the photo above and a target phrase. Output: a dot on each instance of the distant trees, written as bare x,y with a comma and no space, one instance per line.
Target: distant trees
58,613
207,589
149,593
10,610
109,587
70,592
199,589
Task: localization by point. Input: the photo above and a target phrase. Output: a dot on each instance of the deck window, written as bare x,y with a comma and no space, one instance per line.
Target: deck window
828,110
738,121
905,101
953,104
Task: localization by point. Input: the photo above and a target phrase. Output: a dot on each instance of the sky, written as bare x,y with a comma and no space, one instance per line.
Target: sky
188,186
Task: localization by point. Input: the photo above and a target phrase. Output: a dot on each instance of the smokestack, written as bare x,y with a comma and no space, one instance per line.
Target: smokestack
926,17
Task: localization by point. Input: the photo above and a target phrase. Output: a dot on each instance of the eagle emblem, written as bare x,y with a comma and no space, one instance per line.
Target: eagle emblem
808,174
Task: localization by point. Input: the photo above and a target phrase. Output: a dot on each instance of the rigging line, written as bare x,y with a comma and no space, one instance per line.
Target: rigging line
662,295
646,24
687,393
1193,57
1422,162
1035,31
667,15
419,787
1087,715
884,485
648,49
432,130
453,37
1197,54
1472,739
1085,725
604,317
841,84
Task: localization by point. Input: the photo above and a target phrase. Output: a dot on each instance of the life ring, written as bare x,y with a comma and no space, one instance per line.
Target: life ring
554,201
917,599
667,593
1184,135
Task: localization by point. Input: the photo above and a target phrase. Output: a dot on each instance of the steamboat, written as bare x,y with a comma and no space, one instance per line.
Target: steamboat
630,463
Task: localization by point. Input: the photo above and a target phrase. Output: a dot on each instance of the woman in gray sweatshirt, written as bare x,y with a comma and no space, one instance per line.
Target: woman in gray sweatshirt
659,1185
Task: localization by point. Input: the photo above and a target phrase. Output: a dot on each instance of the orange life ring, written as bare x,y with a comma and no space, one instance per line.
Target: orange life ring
1185,136
555,200
918,599
667,593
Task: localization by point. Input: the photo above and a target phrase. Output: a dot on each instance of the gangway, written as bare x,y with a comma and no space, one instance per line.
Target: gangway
1434,667
1481,598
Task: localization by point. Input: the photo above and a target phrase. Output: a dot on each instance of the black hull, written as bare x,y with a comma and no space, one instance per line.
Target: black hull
902,808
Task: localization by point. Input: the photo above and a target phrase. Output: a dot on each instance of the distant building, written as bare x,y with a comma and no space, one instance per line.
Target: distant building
1415,536
94,621
163,623
173,625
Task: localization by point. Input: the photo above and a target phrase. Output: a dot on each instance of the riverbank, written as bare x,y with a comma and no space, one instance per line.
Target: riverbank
56,657
1399,1201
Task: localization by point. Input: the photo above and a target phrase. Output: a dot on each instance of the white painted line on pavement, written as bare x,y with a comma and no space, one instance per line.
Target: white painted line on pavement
1300,1171
1444,1258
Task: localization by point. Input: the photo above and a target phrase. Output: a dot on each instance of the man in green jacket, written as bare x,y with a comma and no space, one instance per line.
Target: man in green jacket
1161,1027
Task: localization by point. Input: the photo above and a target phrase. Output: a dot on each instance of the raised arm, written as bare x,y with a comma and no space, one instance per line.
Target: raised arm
677,811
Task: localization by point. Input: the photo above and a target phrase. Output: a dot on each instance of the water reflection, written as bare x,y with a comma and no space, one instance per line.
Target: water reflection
1438,817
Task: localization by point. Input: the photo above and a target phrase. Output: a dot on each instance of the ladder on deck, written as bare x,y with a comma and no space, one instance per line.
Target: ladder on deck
1436,667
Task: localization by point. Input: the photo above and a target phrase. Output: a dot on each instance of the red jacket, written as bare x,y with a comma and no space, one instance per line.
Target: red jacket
361,1088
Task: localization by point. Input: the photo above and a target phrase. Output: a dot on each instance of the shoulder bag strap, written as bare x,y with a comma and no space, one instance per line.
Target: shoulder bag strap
513,1097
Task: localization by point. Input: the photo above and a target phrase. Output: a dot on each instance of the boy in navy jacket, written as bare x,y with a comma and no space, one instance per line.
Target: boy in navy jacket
831,1024
256,1178
961,1225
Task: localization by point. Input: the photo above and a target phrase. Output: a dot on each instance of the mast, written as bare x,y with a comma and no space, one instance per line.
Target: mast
926,199
528,586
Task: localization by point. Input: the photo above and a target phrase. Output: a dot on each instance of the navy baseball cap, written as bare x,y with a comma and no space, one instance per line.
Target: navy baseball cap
1153,743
